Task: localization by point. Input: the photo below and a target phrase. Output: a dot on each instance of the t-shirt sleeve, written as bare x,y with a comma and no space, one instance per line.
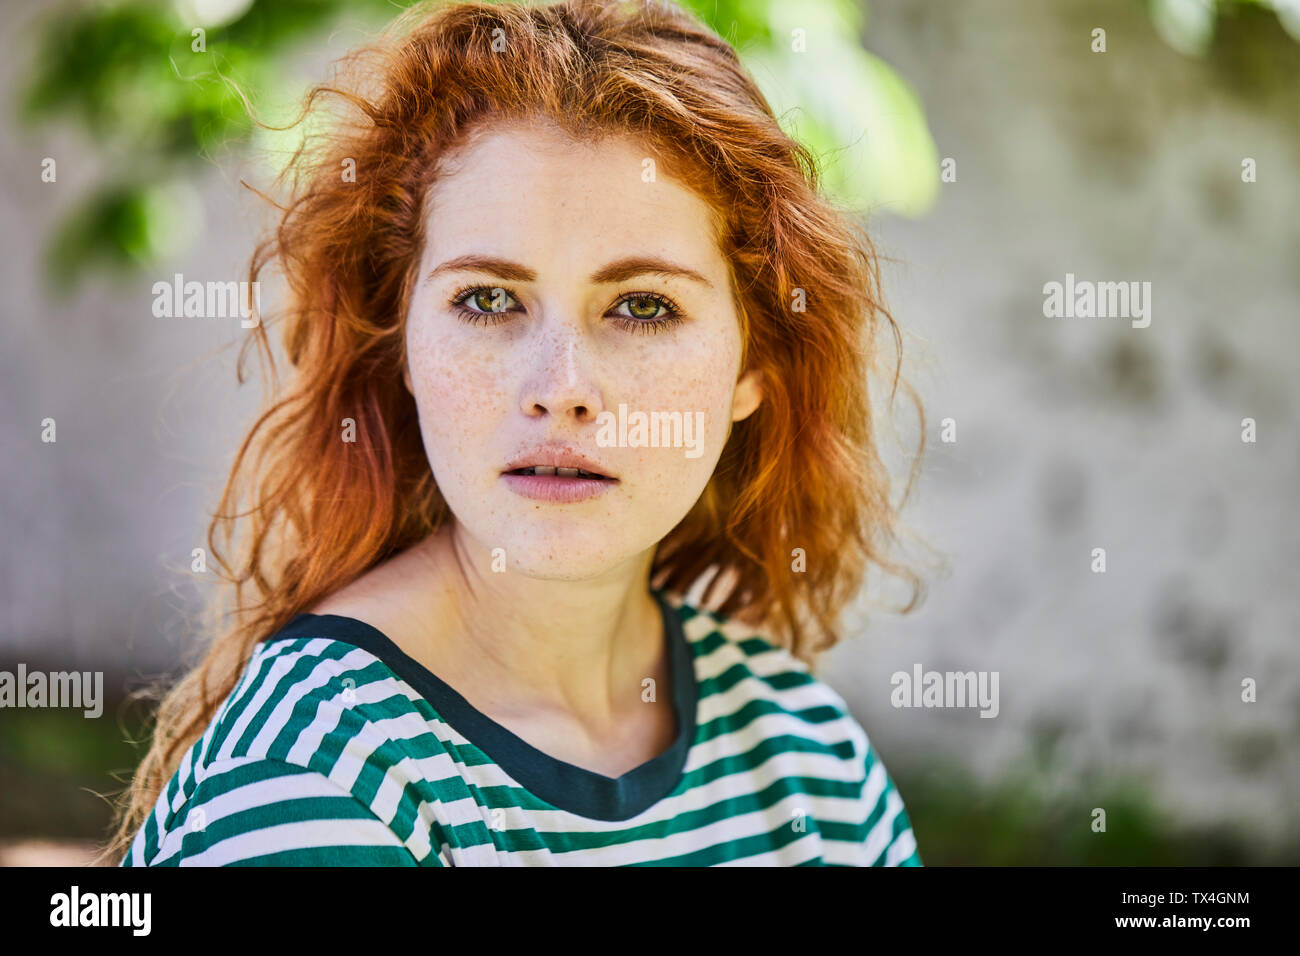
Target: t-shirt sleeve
889,840
266,812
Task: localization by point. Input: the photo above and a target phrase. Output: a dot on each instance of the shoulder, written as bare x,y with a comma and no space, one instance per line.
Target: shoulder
307,685
737,661
759,698
307,761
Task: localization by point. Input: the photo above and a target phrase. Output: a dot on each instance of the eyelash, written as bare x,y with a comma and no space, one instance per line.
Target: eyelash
641,326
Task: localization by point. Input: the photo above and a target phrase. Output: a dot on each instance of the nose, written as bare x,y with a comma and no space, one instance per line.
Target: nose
560,382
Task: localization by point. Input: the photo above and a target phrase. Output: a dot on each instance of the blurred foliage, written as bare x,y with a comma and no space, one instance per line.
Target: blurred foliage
59,771
133,76
1017,820
1189,25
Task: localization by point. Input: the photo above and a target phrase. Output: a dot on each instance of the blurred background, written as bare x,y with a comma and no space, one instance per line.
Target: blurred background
1163,149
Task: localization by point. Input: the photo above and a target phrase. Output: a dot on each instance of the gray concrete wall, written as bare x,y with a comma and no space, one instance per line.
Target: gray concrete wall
1077,433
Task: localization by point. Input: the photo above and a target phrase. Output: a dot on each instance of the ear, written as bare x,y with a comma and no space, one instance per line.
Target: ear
748,395
406,377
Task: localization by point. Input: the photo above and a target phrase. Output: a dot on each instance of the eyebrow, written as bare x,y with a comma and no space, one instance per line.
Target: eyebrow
618,271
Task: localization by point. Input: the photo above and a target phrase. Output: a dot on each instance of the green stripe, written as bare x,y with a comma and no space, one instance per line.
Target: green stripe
336,856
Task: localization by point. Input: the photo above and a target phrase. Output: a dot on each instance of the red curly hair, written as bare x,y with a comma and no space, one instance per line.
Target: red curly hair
802,472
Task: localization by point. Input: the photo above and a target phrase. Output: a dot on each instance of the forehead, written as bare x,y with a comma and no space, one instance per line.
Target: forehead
531,186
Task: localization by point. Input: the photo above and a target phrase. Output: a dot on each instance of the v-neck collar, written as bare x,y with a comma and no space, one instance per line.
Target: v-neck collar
562,785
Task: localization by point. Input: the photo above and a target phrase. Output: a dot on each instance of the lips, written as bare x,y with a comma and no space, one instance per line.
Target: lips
558,489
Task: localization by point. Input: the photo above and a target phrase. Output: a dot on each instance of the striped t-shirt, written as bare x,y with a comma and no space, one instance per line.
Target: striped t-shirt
337,749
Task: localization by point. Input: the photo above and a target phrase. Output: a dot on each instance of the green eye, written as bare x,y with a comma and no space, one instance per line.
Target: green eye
643,307
490,300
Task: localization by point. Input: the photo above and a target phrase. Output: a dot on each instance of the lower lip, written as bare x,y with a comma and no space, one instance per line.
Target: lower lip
553,488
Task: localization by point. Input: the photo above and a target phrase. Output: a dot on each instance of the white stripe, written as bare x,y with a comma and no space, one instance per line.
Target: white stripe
874,786
882,833
136,851
901,849
183,772
807,848
352,759
294,836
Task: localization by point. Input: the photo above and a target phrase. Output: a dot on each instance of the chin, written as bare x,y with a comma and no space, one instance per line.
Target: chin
557,548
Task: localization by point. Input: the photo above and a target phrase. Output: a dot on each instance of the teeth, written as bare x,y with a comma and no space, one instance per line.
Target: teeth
560,472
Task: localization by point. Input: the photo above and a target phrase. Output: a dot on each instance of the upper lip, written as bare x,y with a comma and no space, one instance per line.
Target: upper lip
558,456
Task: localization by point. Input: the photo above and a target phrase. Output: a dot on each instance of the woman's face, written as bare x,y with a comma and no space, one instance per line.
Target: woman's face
551,352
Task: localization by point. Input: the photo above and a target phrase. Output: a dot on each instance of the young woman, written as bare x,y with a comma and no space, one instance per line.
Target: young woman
574,334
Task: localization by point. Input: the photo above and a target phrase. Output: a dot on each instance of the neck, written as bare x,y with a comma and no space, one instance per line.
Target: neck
581,648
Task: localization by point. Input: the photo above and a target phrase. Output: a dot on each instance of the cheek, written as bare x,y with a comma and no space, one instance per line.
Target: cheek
450,382
698,377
